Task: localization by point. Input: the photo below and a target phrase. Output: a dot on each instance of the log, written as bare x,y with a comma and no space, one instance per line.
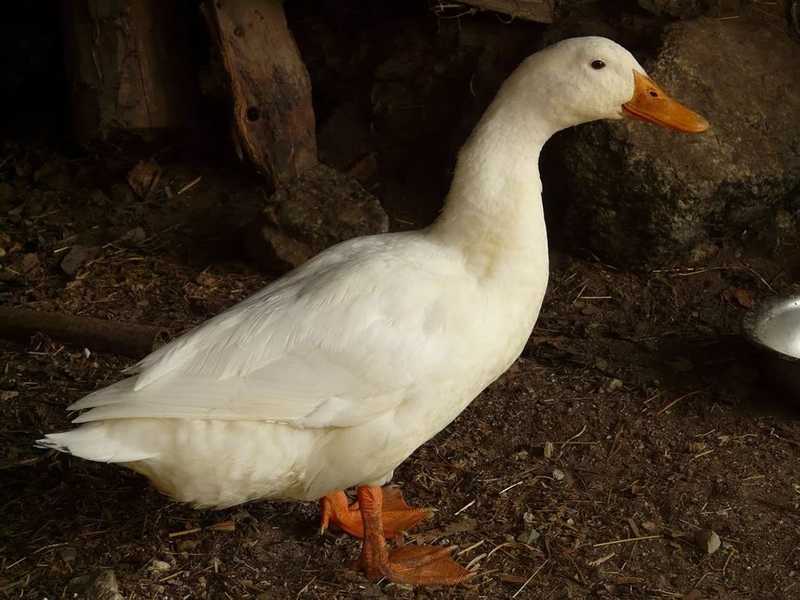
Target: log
541,11
127,339
273,117
127,65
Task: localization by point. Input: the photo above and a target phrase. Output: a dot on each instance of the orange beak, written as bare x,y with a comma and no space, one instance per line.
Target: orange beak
650,103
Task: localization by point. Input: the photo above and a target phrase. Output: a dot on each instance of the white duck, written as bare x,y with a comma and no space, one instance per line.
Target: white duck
334,374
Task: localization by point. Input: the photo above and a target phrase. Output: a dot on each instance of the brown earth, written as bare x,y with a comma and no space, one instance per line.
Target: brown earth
635,418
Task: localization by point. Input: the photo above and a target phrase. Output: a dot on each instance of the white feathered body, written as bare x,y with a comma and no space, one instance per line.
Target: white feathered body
328,378
334,374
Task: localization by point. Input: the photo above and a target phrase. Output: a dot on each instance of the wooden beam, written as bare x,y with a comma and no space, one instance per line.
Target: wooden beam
271,90
128,339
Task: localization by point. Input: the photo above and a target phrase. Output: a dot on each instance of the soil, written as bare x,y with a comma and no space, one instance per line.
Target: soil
635,418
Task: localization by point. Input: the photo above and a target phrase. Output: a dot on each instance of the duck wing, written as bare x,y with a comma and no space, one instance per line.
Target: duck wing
332,344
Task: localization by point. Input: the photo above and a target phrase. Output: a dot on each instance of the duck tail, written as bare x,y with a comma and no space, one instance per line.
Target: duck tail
94,441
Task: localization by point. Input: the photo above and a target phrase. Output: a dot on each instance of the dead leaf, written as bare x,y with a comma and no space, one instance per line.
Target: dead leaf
143,177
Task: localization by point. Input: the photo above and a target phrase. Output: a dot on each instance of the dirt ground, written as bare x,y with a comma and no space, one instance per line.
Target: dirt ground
635,418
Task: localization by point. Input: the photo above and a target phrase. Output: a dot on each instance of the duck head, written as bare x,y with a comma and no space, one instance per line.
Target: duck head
591,78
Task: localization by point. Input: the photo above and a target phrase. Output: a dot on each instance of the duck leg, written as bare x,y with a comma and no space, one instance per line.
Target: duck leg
416,565
397,515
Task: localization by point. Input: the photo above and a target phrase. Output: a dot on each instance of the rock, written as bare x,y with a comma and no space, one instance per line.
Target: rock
644,196
319,209
558,474
101,586
707,540
76,257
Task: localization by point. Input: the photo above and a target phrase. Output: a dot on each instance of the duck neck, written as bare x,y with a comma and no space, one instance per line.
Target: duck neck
493,211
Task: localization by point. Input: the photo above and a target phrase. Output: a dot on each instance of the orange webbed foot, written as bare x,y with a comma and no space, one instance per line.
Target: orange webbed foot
416,565
397,515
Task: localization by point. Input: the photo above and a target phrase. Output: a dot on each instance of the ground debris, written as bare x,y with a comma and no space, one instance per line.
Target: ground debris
100,586
77,257
707,540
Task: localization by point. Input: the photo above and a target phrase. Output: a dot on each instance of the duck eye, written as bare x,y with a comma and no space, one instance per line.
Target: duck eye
598,64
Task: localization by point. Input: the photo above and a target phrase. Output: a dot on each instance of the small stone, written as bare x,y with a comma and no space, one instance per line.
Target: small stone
614,385
68,553
702,252
707,540
135,236
696,447
159,566
558,474
101,586
649,526
30,262
526,537
76,257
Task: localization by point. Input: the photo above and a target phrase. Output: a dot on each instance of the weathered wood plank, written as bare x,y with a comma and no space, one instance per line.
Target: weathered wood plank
271,90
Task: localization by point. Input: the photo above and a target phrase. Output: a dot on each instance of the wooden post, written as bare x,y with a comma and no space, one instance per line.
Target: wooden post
271,90
128,67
